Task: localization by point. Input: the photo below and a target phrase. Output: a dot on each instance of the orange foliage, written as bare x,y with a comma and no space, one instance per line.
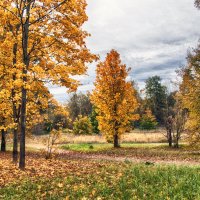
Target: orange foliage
114,97
190,94
41,41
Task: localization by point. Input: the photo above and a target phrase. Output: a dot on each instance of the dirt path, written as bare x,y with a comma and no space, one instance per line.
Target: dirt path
79,155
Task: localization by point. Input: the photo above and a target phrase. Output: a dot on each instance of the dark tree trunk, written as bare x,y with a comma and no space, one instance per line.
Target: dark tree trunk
15,146
169,135
14,108
176,145
3,141
15,131
23,131
26,60
116,141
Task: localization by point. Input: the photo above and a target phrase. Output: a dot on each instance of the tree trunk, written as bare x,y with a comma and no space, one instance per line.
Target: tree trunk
14,108
15,131
26,60
176,145
169,135
3,141
23,130
15,146
116,141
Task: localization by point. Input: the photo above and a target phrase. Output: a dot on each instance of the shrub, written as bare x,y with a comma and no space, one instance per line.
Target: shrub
148,121
82,125
53,137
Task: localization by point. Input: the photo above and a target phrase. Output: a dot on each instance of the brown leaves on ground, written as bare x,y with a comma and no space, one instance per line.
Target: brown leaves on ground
68,162
39,167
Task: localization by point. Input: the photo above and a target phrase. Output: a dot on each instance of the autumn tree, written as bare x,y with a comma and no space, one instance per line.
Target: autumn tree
113,97
50,44
82,125
8,70
10,62
190,91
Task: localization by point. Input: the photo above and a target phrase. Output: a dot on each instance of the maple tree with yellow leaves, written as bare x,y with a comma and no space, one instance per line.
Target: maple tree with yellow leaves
190,93
44,42
114,97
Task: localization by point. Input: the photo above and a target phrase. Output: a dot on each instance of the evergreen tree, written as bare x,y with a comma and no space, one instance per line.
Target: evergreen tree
156,98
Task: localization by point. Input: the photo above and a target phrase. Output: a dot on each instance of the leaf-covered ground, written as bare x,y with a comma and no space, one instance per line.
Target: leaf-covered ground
84,179
88,171
39,167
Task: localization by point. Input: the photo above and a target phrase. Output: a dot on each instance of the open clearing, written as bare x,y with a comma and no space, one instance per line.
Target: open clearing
89,168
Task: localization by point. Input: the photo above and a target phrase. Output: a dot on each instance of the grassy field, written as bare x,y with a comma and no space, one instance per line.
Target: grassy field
89,168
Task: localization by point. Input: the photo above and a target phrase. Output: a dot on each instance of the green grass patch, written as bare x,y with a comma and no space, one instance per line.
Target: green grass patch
94,147
139,150
87,147
124,182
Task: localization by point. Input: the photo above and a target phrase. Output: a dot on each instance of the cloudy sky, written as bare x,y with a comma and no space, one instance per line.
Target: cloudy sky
152,36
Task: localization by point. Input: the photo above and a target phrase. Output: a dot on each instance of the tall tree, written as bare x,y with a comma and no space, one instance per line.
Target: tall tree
190,91
156,96
10,69
114,97
51,45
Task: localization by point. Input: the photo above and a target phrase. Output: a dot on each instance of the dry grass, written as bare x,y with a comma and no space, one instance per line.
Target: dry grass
138,136
70,138
135,136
